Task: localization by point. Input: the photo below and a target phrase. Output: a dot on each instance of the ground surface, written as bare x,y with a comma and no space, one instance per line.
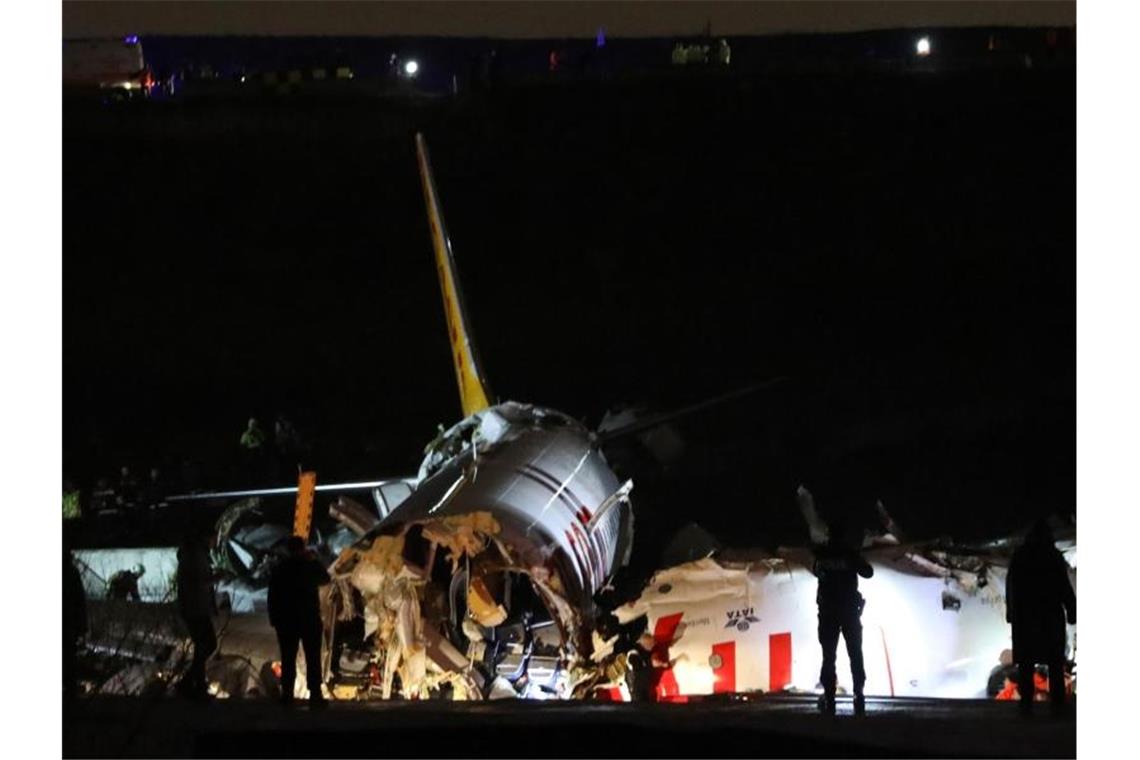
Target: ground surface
781,727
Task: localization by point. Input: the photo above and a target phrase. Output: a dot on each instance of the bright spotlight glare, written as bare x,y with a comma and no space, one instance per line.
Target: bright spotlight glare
411,67
923,46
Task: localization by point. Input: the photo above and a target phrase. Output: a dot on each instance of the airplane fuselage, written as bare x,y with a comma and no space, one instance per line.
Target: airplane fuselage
542,476
753,626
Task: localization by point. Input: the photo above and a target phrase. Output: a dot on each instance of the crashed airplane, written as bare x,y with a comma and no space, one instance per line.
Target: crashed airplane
515,523
478,578
489,563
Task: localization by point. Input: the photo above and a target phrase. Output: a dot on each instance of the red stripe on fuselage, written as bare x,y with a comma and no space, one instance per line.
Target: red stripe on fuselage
666,687
779,661
725,676
580,557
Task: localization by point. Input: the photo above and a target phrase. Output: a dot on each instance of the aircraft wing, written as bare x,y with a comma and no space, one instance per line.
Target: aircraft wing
386,493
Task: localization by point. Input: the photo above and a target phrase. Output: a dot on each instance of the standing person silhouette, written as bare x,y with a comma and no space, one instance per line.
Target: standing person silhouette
197,607
1039,599
295,612
74,623
838,567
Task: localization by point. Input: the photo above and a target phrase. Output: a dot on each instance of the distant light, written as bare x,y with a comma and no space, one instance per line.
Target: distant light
131,39
600,39
243,77
411,67
923,46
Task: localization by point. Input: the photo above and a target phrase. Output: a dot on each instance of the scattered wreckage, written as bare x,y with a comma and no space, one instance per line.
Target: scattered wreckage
478,578
452,601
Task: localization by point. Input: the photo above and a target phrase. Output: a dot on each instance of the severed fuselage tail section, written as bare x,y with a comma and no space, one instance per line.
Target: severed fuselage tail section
474,394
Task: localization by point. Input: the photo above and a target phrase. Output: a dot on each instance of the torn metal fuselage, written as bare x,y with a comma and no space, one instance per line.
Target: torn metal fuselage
516,523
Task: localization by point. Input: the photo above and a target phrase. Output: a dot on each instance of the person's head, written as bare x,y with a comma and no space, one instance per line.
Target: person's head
1006,657
1040,534
125,471
295,546
838,531
252,423
154,473
199,533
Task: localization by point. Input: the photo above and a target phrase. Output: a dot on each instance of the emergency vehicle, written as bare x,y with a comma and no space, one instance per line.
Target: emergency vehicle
112,68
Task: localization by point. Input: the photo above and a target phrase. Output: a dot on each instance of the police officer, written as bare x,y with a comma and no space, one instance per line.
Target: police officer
837,566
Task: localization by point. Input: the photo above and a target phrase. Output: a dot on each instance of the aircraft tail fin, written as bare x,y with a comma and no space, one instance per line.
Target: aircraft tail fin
474,393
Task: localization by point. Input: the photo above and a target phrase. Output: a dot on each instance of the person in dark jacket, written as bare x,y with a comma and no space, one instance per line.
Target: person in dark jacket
1039,599
74,622
295,612
1002,675
197,607
838,567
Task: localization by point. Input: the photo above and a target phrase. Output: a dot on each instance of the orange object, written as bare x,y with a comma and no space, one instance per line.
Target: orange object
303,512
1040,687
1009,692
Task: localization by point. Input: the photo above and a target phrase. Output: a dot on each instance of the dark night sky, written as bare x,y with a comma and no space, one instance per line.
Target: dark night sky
901,246
541,20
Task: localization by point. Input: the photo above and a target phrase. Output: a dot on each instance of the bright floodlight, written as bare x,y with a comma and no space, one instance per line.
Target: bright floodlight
923,46
411,67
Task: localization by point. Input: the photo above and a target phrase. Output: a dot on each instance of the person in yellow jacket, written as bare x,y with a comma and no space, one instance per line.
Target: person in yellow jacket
253,437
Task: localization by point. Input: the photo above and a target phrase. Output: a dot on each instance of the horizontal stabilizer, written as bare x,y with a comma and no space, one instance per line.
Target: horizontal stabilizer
653,420
283,490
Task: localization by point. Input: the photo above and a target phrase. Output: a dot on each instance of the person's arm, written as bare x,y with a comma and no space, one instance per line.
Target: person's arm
271,600
1009,586
320,575
79,601
1069,596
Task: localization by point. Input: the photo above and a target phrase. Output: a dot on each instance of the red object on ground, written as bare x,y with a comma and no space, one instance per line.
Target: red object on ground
1009,692
1040,687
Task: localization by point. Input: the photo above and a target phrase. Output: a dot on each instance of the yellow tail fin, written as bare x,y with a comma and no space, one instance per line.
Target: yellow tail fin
474,394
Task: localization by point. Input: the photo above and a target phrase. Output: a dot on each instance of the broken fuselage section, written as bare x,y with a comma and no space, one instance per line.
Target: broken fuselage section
492,562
